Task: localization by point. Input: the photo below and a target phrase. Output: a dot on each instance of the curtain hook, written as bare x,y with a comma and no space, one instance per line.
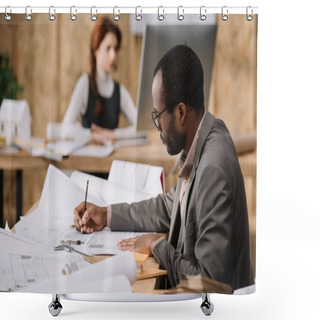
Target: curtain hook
203,13
224,13
180,13
249,17
73,16
7,17
116,16
52,16
160,16
28,14
138,16
93,17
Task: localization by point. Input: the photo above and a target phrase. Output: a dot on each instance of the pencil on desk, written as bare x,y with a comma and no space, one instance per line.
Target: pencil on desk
85,201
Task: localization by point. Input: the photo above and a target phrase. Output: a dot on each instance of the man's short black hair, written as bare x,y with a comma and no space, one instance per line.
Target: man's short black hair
182,78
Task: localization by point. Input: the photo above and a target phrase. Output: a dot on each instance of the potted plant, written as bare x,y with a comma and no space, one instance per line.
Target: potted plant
9,86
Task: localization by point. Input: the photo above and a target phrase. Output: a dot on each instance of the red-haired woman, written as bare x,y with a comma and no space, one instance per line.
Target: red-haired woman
97,97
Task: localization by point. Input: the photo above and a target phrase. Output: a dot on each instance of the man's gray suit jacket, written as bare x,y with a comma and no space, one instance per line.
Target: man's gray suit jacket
213,239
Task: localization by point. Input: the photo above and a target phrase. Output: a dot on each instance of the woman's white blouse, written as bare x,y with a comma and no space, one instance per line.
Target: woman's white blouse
79,102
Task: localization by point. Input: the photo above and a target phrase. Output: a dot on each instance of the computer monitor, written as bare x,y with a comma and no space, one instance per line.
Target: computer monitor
156,42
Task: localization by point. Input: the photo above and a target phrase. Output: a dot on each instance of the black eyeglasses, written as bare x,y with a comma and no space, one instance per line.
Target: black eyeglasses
155,116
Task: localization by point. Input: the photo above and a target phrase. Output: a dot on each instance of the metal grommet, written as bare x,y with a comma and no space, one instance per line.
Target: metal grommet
52,16
180,15
203,13
73,16
224,13
28,14
160,16
6,15
93,17
249,17
116,16
138,16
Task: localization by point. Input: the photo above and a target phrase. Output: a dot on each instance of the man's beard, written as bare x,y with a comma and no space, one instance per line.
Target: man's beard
174,142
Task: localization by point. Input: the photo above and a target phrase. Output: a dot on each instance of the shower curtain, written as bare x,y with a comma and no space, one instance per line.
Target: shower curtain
79,91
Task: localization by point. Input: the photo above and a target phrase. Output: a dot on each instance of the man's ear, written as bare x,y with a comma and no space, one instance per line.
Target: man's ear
183,112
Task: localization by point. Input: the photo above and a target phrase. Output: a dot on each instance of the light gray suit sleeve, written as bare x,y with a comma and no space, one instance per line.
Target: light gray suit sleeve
151,215
208,232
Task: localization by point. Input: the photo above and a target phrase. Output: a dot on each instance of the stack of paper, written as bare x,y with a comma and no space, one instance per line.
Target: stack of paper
27,266
28,261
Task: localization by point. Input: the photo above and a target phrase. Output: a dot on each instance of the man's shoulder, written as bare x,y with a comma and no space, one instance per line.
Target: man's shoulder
218,136
218,146
212,125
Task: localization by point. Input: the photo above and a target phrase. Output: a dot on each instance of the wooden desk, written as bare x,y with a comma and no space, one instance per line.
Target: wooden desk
153,153
147,285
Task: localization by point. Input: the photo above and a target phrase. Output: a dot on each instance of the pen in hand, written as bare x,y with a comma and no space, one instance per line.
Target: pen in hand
85,203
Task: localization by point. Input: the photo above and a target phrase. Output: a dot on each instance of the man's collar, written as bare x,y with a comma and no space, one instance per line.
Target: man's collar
187,160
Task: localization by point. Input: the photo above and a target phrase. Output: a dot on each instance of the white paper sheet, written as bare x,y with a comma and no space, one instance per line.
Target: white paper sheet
16,244
31,248
105,242
23,271
50,223
30,267
60,196
108,192
50,237
115,274
24,263
137,176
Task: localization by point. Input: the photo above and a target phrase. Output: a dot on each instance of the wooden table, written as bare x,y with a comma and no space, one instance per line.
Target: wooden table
153,153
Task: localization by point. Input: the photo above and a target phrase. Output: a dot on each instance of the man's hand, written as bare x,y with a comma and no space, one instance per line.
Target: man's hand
93,219
140,244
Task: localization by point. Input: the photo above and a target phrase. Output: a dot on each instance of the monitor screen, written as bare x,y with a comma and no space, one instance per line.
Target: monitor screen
157,40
